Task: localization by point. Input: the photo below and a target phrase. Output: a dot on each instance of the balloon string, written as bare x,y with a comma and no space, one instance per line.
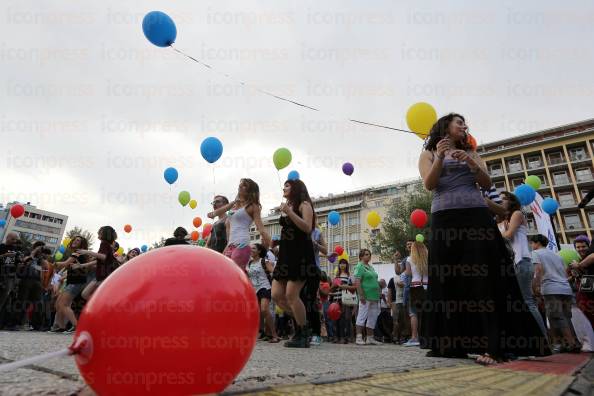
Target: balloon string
35,359
287,99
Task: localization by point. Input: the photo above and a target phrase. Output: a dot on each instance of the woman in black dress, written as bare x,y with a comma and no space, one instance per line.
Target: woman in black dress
474,304
296,260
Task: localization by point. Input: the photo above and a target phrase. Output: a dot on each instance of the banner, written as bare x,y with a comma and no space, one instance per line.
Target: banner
543,223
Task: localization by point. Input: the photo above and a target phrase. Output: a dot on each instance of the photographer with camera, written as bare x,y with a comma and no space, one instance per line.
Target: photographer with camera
10,257
29,272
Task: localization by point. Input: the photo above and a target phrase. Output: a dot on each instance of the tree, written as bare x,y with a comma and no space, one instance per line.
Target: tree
396,227
76,231
158,244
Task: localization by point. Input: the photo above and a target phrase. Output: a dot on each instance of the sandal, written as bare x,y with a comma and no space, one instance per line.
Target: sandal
274,340
486,360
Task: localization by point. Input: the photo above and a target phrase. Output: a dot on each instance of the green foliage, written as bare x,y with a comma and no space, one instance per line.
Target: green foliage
396,228
158,244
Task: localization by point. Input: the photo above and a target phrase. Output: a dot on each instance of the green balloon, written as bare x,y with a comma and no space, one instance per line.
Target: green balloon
282,158
569,255
420,238
183,198
58,256
201,242
533,181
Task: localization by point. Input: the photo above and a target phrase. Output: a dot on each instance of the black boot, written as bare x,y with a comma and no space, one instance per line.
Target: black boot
299,340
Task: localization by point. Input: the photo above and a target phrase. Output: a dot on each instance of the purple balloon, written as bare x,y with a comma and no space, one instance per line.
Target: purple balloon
348,168
332,258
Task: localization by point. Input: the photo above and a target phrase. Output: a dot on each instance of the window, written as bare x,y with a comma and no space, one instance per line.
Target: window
583,174
337,238
577,154
534,162
572,221
499,186
560,178
354,253
566,199
517,182
591,219
353,219
495,170
354,236
514,165
543,181
35,226
378,204
556,158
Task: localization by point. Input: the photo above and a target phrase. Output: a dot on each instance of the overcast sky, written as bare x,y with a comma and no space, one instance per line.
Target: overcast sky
92,113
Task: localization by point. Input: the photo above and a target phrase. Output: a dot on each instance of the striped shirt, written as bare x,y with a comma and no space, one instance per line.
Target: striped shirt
492,194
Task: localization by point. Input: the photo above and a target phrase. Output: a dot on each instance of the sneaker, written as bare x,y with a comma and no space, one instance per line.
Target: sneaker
411,343
27,328
71,330
315,341
359,340
372,341
56,330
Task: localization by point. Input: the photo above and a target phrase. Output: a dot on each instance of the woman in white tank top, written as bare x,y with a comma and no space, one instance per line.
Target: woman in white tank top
244,211
516,231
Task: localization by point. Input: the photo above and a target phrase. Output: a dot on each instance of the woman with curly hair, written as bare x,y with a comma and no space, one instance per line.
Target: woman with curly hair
473,304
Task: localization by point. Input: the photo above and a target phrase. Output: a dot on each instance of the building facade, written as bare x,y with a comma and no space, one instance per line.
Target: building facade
352,232
35,225
563,159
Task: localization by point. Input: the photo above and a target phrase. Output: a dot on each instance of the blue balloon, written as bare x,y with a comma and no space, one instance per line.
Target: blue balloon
293,175
159,28
62,249
549,205
170,175
2,223
144,248
211,149
333,217
525,194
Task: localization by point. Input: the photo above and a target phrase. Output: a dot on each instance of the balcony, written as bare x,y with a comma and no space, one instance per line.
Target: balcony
584,178
535,165
495,172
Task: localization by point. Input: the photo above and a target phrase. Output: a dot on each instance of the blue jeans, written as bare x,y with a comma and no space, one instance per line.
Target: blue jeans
524,274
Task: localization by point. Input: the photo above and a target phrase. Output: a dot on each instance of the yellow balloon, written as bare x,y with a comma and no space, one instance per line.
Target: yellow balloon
66,242
193,204
344,256
120,251
420,117
373,219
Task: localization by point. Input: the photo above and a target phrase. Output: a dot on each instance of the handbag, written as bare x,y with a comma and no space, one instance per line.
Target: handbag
587,284
349,298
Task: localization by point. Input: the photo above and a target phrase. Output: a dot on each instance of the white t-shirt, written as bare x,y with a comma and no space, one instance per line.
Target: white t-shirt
384,299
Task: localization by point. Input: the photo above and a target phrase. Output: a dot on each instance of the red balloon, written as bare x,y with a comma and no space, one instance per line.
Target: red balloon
177,320
17,211
127,228
197,222
206,230
194,235
334,311
471,141
338,250
418,218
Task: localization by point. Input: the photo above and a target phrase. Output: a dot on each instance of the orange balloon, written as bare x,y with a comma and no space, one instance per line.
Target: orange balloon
127,228
471,141
197,222
194,235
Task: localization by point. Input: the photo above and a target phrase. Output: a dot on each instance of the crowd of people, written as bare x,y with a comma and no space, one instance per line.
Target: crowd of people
479,286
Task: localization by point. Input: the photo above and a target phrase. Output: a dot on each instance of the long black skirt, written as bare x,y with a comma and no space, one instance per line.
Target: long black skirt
474,303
